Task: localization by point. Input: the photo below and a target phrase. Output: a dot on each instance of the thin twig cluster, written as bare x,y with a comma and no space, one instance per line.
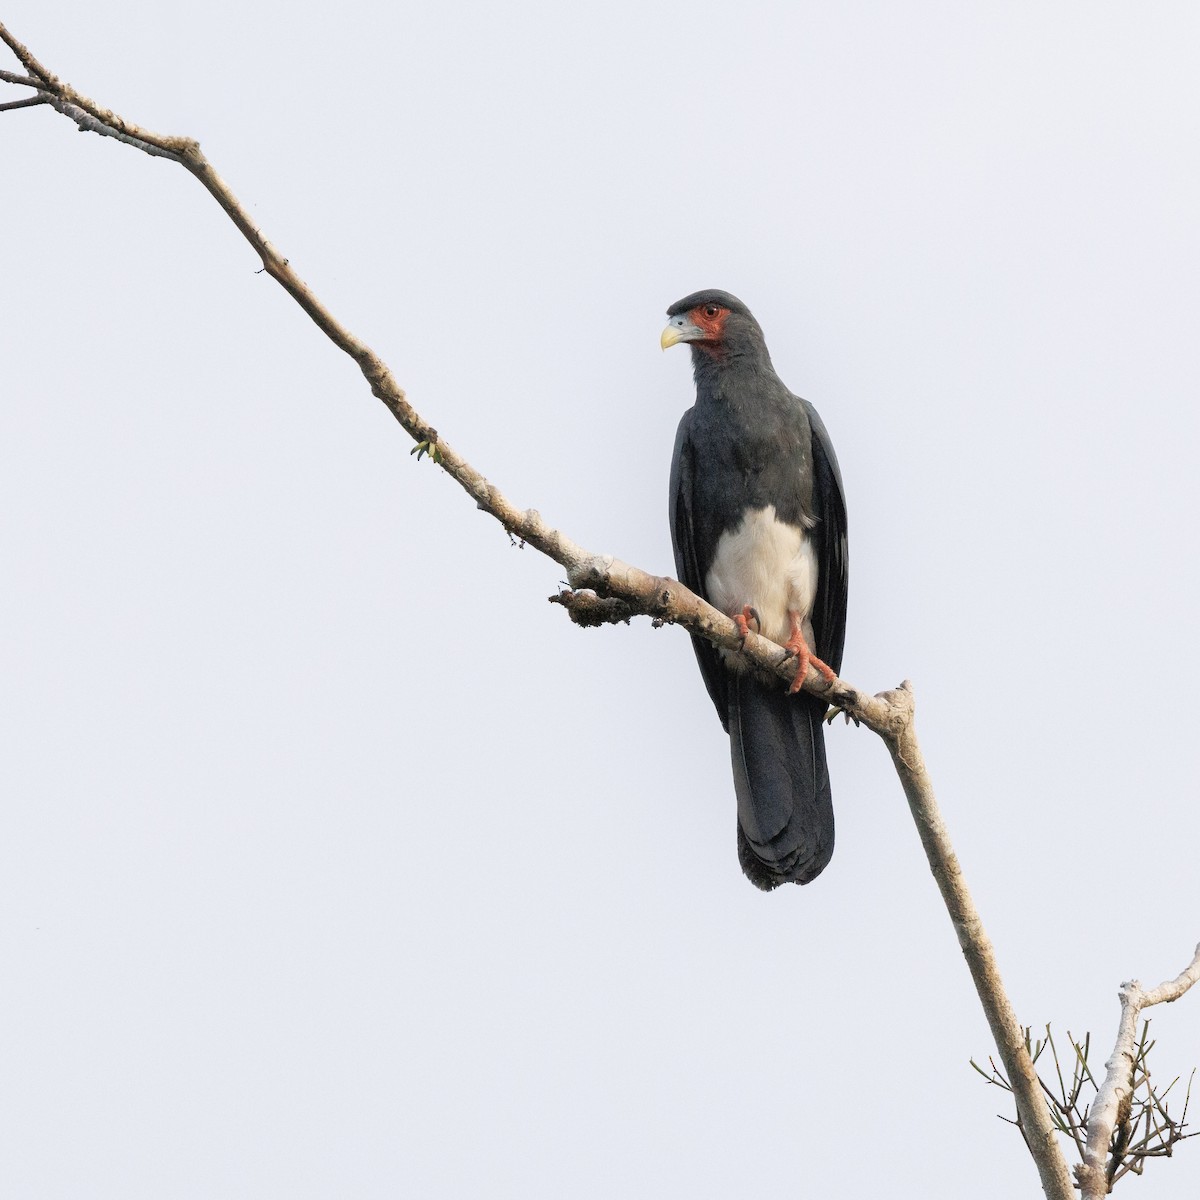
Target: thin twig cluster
1145,1127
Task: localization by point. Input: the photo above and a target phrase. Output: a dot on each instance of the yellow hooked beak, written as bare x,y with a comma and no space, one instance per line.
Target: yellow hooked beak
680,329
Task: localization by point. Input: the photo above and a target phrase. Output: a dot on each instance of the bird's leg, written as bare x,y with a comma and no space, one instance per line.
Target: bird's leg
799,647
743,619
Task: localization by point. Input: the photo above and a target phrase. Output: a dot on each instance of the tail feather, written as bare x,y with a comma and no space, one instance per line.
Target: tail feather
785,808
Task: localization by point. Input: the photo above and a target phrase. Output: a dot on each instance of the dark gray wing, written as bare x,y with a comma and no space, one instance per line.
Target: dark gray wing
690,561
833,579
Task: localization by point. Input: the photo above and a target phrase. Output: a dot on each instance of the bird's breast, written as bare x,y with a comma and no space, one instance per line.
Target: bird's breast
769,564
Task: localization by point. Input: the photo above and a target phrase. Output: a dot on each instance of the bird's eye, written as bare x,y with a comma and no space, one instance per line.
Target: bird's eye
711,310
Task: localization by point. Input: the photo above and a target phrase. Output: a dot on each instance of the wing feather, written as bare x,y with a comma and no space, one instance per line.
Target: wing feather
690,563
829,500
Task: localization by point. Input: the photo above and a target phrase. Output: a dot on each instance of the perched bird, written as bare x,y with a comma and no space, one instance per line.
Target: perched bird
758,523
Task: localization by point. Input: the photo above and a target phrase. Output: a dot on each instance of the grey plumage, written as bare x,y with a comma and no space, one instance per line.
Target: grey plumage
756,493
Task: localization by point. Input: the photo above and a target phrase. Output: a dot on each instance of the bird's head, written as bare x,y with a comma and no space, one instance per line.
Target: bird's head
718,326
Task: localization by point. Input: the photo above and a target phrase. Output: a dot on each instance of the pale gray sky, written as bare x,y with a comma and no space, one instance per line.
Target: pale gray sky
333,860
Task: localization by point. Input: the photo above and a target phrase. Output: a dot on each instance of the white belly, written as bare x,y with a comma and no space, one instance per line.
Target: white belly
769,565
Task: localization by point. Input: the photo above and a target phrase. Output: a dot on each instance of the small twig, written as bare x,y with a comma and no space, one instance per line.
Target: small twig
588,610
33,100
21,80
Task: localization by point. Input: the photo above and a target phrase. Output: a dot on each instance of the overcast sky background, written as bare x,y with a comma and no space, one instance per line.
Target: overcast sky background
333,860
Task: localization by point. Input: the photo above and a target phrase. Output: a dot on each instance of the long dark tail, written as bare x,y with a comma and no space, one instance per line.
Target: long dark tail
785,809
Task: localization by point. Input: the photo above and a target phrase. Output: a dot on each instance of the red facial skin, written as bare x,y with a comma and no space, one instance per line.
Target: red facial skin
711,318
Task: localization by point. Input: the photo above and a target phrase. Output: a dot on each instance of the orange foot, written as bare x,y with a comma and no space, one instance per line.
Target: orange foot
743,619
799,647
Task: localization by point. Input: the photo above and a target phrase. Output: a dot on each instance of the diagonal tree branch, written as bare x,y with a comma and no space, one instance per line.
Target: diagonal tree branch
26,59
1111,1106
605,589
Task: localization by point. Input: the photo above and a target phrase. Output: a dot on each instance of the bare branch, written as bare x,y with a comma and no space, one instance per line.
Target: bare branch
27,60
20,80
33,100
1169,992
1114,1097
588,610
90,124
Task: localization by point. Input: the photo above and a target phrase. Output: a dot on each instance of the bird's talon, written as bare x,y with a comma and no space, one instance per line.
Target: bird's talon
430,448
743,619
834,712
